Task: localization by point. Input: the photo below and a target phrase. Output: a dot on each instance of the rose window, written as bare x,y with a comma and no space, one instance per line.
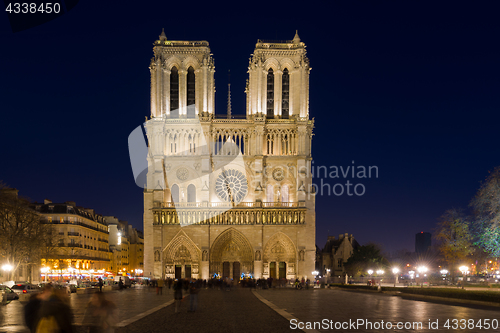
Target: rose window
232,186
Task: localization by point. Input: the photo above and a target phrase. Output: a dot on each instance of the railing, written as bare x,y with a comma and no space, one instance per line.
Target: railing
300,204
70,245
76,223
182,43
233,116
71,233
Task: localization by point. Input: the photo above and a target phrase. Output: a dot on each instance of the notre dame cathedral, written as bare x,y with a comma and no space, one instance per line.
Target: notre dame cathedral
226,195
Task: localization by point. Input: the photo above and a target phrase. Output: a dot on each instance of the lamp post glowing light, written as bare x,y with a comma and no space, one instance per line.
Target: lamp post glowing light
464,270
395,271
7,268
422,270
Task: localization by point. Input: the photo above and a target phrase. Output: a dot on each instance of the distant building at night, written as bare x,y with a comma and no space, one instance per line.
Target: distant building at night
336,252
422,242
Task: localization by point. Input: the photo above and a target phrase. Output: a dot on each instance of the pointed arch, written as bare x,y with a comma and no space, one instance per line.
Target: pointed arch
174,92
190,91
181,249
280,248
270,93
174,191
232,246
191,192
285,94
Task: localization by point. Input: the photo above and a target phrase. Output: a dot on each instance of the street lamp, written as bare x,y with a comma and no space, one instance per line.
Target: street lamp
412,276
421,270
464,270
395,271
7,268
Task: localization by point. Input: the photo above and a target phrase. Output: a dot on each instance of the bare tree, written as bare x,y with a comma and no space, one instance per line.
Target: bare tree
22,236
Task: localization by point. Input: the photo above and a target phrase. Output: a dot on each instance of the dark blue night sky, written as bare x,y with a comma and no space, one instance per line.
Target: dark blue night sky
410,87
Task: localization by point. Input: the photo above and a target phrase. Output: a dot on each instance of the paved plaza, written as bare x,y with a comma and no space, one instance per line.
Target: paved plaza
246,310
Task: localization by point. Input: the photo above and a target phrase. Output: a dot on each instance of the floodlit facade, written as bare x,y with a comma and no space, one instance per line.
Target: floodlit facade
229,196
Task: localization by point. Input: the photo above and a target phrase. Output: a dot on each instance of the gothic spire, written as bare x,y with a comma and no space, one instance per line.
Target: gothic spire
296,38
163,36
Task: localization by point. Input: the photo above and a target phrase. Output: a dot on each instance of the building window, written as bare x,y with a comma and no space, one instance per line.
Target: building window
191,92
191,193
174,190
174,93
270,93
270,193
339,263
285,94
284,193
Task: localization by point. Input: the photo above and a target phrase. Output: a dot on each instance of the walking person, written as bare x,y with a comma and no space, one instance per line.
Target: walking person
100,316
159,288
55,314
33,307
100,284
193,296
178,295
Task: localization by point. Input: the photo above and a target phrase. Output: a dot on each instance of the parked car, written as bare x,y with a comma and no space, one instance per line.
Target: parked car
26,288
11,295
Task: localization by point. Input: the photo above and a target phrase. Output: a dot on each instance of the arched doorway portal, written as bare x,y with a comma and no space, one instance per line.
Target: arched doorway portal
231,255
181,258
279,257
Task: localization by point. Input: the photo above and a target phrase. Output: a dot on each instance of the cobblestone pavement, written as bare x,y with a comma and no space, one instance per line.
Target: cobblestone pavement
130,302
342,306
218,311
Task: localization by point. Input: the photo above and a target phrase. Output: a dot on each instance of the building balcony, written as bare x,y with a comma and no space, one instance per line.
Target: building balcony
71,233
176,205
76,223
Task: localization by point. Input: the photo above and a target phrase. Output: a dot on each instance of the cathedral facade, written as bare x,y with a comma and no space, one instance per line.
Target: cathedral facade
229,196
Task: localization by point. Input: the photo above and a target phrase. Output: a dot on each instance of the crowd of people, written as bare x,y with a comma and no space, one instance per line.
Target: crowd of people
50,312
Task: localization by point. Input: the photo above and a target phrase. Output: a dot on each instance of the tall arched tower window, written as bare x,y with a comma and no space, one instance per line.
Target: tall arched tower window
174,190
270,93
284,193
174,92
270,193
190,92
285,94
191,193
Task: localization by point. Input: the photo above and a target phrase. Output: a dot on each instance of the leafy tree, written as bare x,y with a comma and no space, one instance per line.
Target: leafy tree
454,237
22,237
486,205
363,258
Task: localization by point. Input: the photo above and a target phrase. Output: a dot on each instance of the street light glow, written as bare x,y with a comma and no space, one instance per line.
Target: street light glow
422,269
370,271
395,270
380,272
7,268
